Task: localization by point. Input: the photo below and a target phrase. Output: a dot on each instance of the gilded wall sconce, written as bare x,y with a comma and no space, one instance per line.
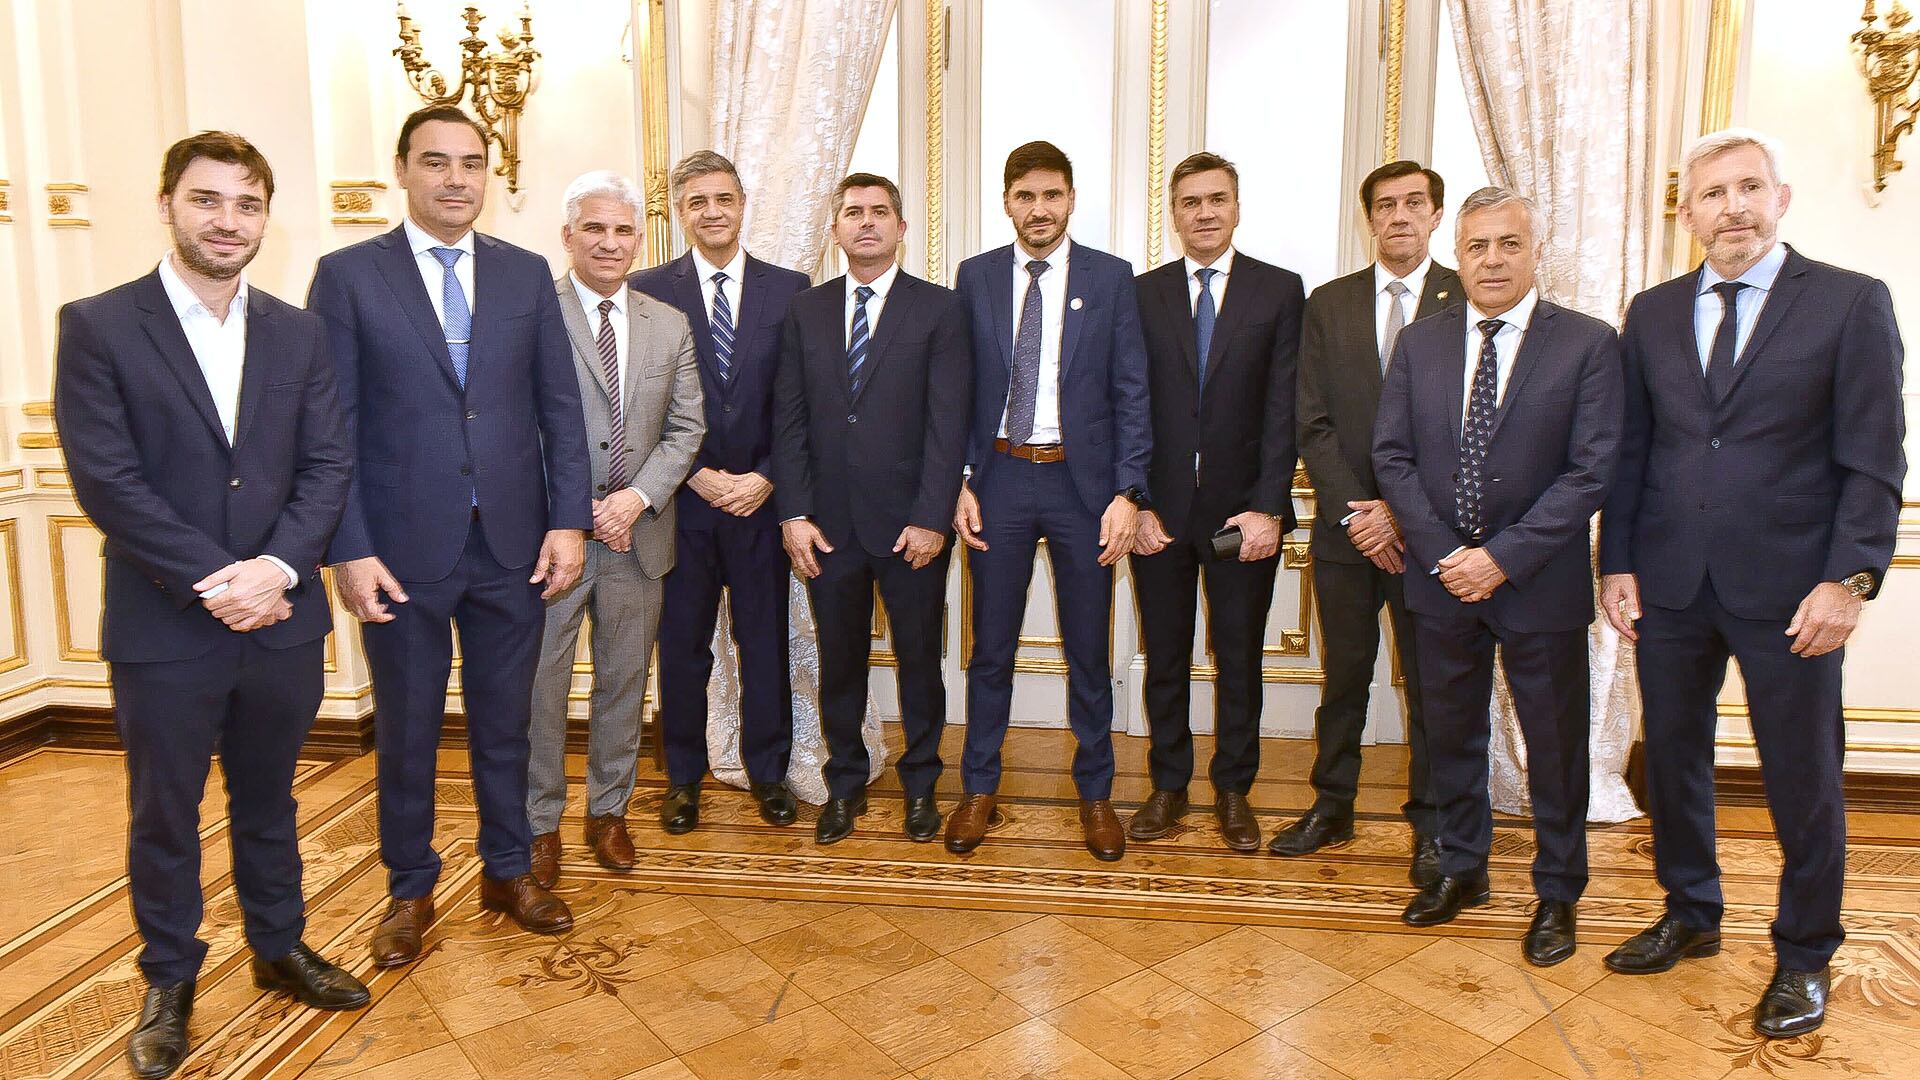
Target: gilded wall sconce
1889,58
498,82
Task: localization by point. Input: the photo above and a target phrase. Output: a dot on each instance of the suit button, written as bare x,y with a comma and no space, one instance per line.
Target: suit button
471,415
603,445
234,483
1714,443
466,470
726,408
600,487
852,419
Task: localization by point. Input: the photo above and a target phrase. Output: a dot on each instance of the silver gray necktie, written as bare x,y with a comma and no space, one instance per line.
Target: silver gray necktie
1396,319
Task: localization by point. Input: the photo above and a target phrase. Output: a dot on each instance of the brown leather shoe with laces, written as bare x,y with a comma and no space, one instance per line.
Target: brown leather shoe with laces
1158,815
611,845
1106,840
396,940
970,822
545,857
1237,824
525,902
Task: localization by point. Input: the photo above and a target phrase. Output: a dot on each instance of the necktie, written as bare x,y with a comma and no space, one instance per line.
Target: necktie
1025,388
857,340
456,319
721,323
1396,319
616,415
1203,317
1468,485
1721,357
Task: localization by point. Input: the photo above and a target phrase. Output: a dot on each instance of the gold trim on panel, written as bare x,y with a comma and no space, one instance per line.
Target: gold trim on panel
66,187
4,203
368,220
1736,711
57,525
39,440
37,408
1022,665
1393,48
69,223
650,52
936,145
1724,24
13,480
16,604
1739,743
55,682
1905,562
341,185
50,477
1294,555
1156,128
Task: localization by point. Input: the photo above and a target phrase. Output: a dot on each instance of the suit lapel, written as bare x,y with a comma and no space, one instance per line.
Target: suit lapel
1172,293
260,351
1686,331
586,346
1232,311
489,299
1442,289
689,299
638,327
1534,342
163,326
1000,295
1454,375
403,277
1787,287
899,301
1071,314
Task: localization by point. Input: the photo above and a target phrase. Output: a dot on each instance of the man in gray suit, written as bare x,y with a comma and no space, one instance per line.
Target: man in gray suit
640,389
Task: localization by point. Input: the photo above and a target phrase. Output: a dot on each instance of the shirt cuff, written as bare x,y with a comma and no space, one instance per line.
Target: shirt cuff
293,579
645,503
1449,555
796,517
1345,521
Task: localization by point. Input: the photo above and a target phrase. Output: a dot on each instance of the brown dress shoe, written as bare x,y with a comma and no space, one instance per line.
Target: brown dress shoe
396,940
525,902
608,838
970,822
1158,815
1237,823
1105,839
545,855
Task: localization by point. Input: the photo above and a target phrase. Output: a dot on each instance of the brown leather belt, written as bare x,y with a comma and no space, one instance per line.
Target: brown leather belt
1043,455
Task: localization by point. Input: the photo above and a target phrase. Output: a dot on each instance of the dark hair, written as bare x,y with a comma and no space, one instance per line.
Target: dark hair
222,146
448,113
1204,161
860,180
1033,156
1436,187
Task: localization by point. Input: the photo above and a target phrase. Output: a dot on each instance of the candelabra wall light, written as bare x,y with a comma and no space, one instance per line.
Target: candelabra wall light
498,83
1889,58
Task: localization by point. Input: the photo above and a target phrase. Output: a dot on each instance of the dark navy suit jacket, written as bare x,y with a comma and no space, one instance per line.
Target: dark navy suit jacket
1105,427
740,411
425,447
152,467
1550,461
1790,480
869,465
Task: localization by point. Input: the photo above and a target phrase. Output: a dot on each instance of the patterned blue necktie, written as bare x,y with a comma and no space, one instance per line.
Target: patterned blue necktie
1025,388
1203,315
857,340
1469,485
456,319
721,323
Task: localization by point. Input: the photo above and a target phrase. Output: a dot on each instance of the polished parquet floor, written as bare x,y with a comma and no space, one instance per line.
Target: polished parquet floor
743,951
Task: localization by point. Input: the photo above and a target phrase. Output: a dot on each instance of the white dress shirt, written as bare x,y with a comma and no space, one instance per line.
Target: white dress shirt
617,315
1708,310
1416,283
219,344
433,274
1053,310
1223,272
735,269
876,303
1506,347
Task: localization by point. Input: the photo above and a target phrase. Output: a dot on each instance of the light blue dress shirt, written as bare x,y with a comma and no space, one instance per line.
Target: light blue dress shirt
1707,308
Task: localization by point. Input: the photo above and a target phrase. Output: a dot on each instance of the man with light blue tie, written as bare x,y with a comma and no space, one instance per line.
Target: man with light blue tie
469,504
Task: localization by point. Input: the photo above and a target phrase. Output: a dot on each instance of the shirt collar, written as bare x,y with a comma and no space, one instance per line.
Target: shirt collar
1761,275
185,301
881,285
1415,281
590,300
1224,264
736,268
1516,317
1055,261
422,241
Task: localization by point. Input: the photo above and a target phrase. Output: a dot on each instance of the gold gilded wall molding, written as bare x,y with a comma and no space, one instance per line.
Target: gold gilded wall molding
1295,641
12,480
1156,128
1022,665
1726,22
936,270
355,202
650,52
39,440
6,202
1889,57
57,527
37,408
1393,48
16,603
65,206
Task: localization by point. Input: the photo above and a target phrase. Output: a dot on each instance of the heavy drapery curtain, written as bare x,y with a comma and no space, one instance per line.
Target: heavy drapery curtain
790,85
1562,101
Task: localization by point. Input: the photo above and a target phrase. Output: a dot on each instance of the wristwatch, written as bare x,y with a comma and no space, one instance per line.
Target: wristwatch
1135,496
1860,584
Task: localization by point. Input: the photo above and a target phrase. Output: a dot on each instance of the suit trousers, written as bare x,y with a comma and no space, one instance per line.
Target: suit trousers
747,560
624,604
1238,596
500,617
253,706
843,614
1548,675
1349,597
1021,503
1794,708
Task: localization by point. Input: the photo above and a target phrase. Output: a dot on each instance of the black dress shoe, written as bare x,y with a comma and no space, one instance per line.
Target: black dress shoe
680,810
836,819
1550,937
1662,945
1794,1004
307,976
777,804
159,1041
923,818
1425,869
1316,829
1442,900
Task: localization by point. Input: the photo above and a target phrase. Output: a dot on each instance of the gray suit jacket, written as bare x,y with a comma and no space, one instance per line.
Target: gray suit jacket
664,412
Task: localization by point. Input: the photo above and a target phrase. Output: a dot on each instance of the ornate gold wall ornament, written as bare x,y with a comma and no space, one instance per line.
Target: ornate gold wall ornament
62,206
650,50
57,527
1889,59
936,134
1156,128
4,216
499,81
16,602
1394,45
354,202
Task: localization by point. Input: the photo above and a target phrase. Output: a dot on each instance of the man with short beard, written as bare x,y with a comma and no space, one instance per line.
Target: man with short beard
205,440
1755,511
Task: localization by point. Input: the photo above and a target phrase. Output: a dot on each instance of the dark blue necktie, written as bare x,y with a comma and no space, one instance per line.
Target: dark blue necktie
1025,388
456,319
721,322
1720,359
1469,486
1203,318
857,340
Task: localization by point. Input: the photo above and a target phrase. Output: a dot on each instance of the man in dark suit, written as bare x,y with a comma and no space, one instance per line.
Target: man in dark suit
1495,444
1358,554
728,536
1058,451
1221,330
1756,508
870,433
205,441
471,492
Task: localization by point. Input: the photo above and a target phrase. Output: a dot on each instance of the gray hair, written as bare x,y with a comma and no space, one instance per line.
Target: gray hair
697,164
602,182
1715,143
1489,198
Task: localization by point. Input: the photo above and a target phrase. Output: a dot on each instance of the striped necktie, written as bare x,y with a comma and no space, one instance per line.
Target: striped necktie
857,339
616,415
721,322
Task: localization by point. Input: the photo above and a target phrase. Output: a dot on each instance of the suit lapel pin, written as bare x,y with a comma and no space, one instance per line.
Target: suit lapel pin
1075,304
1442,295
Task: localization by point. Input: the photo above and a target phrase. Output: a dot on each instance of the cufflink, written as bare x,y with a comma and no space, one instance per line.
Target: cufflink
1075,304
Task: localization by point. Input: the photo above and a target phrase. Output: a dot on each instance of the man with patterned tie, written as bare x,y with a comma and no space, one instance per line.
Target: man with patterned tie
728,537
469,505
870,429
1499,423
640,387
1059,447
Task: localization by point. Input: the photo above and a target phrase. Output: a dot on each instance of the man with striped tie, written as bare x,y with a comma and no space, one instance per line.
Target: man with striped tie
640,389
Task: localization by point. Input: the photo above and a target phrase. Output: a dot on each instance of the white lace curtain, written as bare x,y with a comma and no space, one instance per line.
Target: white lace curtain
1562,101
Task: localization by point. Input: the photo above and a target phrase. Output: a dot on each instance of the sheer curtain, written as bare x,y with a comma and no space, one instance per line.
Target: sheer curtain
790,84
1562,101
